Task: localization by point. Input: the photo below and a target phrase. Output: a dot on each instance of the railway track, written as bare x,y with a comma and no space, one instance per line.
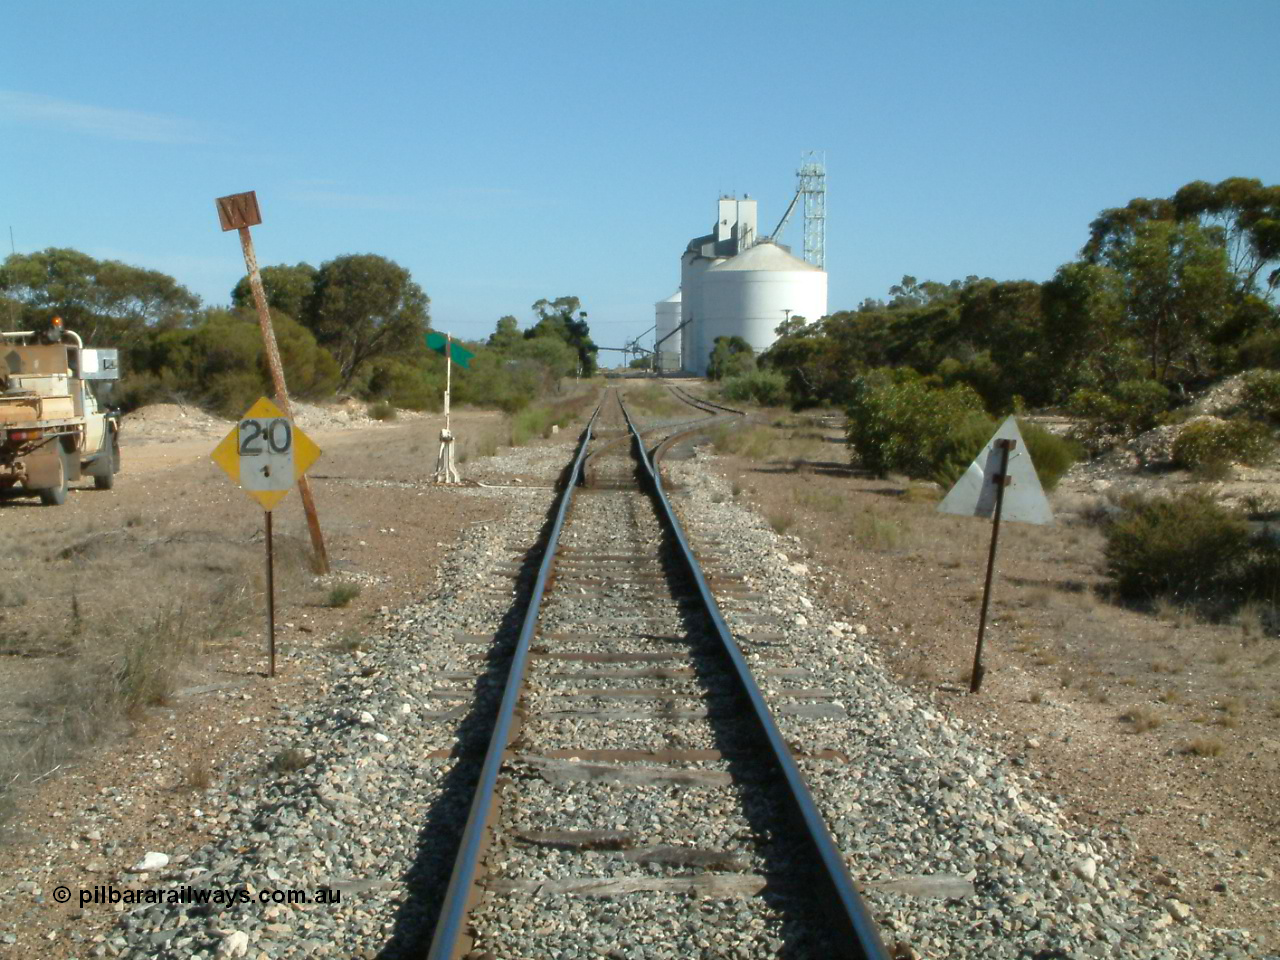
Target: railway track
636,794
702,403
615,438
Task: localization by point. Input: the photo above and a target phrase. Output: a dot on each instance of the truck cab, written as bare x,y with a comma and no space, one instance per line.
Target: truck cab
53,427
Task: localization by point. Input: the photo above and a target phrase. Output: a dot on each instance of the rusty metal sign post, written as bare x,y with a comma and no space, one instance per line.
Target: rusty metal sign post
999,484
239,211
1001,481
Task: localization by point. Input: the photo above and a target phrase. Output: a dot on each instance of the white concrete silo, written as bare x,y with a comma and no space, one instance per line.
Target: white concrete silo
666,320
692,267
750,294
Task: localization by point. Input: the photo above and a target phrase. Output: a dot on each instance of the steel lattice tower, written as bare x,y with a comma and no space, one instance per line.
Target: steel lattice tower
812,177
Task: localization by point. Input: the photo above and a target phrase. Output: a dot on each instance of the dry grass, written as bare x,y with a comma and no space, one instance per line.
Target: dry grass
657,401
199,774
1096,692
1251,621
1231,706
781,520
821,501
343,594
753,442
1039,597
1170,696
127,613
875,531
919,670
1143,717
1179,615
928,495
479,443
1205,747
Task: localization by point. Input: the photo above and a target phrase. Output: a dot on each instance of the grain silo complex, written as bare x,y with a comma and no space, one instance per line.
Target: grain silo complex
736,283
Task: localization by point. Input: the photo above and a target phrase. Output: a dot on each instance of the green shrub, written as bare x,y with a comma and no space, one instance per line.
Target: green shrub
1052,455
1261,349
980,372
382,411
343,594
406,385
530,422
901,423
765,387
1209,447
232,393
1260,394
730,357
1185,548
1258,576
137,389
1131,408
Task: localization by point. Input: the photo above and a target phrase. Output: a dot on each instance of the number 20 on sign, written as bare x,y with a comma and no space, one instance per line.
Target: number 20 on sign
265,455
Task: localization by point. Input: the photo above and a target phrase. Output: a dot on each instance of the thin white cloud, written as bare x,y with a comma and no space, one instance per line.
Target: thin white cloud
37,109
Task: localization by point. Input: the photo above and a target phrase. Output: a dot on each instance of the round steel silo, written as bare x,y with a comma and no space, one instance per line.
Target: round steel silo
693,267
750,294
667,318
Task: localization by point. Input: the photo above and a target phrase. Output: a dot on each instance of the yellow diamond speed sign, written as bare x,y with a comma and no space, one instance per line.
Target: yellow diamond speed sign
266,453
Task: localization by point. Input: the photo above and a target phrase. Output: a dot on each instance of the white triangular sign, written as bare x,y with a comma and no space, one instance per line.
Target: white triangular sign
974,494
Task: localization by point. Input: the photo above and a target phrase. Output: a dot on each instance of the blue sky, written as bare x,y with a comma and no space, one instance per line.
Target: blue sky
505,152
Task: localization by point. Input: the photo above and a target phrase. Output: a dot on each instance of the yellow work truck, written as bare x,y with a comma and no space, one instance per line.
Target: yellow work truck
55,426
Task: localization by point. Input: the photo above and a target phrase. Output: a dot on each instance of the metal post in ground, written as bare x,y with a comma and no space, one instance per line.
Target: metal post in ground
271,602
446,472
1001,480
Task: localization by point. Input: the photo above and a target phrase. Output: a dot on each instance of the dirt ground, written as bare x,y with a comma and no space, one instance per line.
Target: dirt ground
99,567
1160,728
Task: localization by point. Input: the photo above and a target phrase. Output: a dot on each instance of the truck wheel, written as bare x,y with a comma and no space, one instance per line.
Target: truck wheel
57,496
106,468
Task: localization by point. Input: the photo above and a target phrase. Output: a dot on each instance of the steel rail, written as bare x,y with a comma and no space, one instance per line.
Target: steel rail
596,456
683,394
848,912
457,898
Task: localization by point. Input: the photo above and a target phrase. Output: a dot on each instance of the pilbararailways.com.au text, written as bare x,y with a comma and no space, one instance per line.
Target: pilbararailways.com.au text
103,894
